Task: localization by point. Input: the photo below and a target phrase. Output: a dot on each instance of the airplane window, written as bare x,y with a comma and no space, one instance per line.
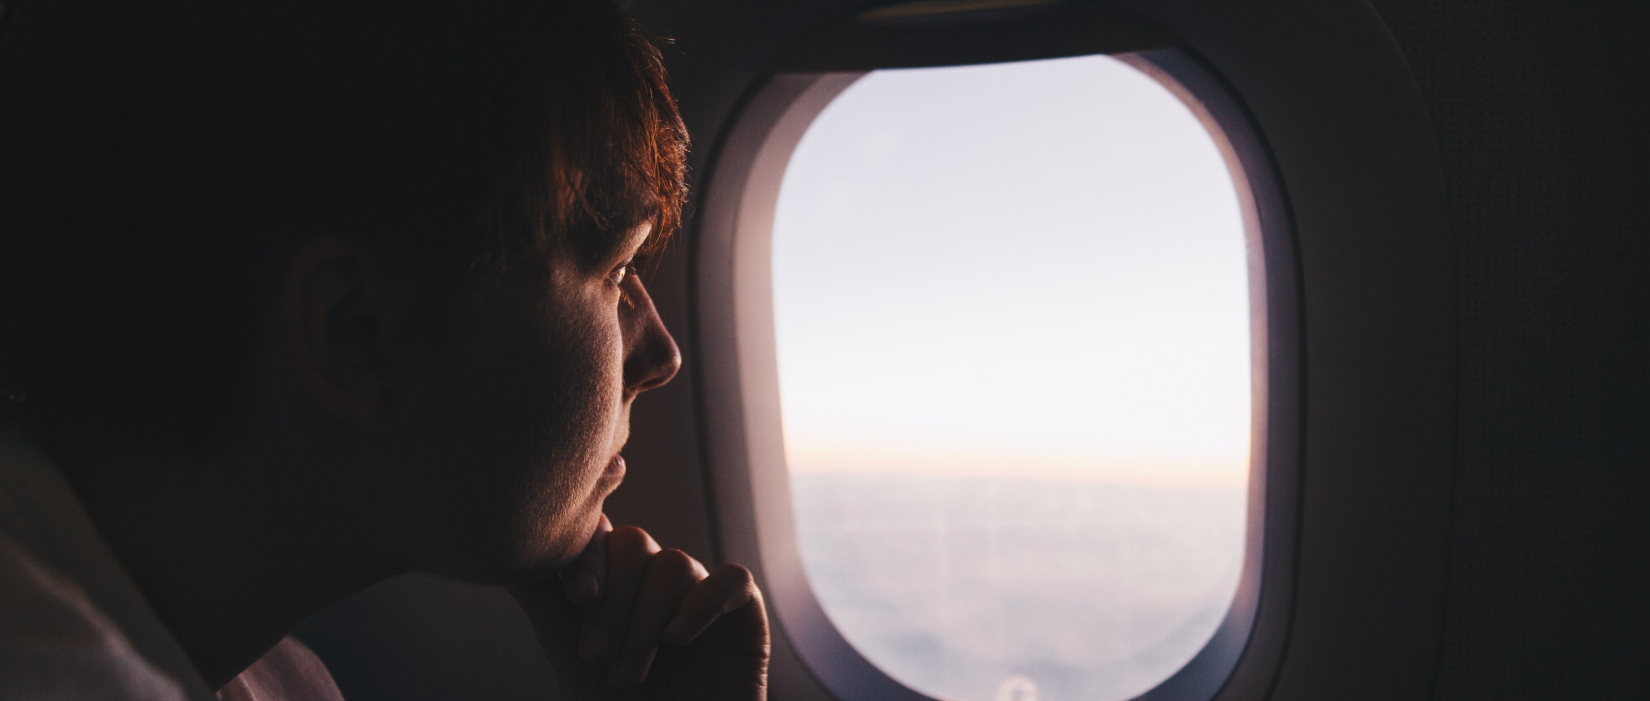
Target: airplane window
1013,333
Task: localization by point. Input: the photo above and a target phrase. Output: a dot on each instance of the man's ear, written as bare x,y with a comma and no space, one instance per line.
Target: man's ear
335,314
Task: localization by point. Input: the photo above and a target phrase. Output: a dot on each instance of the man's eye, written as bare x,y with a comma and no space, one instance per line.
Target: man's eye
617,277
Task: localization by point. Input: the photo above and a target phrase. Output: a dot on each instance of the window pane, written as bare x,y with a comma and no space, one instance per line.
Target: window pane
1013,338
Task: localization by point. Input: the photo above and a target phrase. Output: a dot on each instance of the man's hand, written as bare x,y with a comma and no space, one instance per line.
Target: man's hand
630,620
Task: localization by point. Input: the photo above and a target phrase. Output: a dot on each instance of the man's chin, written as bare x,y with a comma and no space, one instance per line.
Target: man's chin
536,548
561,550
547,564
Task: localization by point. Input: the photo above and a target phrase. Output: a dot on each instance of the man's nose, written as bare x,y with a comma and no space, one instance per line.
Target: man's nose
651,356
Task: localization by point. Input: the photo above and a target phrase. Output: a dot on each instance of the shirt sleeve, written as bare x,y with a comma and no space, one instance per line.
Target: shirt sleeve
55,645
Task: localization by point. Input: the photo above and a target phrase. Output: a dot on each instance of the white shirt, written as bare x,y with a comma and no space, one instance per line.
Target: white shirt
73,624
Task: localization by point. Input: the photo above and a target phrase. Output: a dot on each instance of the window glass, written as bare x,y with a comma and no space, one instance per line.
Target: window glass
1012,320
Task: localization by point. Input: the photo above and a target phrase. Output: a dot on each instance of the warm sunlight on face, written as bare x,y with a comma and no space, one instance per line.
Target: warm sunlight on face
1025,269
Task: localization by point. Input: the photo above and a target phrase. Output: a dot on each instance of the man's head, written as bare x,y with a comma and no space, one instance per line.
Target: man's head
392,241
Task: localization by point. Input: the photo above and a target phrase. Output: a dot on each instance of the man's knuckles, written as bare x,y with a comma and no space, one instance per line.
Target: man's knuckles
740,578
630,541
675,565
736,587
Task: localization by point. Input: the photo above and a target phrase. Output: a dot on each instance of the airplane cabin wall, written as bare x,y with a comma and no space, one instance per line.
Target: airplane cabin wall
1542,114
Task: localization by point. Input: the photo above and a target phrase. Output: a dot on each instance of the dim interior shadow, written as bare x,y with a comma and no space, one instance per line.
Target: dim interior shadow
423,638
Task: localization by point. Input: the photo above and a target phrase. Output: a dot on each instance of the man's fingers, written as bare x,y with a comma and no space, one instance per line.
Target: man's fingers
648,597
585,580
628,551
729,588
671,575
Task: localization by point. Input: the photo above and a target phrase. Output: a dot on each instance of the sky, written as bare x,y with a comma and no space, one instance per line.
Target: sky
1033,268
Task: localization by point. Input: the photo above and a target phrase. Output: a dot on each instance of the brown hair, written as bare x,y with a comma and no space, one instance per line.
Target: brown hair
160,158
613,149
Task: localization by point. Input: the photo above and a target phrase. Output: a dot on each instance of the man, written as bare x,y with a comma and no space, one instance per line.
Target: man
299,296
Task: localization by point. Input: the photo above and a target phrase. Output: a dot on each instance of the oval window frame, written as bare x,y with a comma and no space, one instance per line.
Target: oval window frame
740,411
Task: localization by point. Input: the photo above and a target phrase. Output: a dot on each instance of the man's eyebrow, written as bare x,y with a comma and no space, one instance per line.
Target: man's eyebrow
599,249
635,238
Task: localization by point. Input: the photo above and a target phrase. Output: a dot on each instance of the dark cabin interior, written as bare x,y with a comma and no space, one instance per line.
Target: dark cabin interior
1457,485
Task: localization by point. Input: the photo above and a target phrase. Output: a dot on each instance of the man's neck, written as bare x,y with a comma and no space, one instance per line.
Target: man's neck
230,554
